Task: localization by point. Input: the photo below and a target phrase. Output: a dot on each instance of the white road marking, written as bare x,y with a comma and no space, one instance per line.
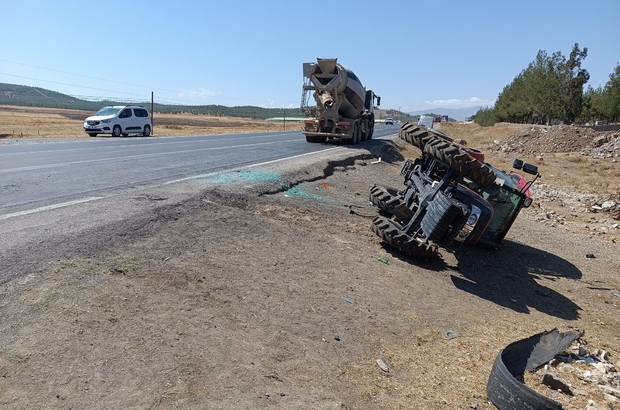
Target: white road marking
120,158
50,207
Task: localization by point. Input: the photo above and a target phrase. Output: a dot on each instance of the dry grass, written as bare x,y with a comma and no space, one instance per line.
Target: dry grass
573,170
27,122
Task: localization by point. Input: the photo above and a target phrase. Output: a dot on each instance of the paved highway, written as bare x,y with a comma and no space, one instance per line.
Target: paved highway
64,198
41,174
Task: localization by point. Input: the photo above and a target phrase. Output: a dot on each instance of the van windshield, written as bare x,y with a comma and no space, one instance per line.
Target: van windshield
105,111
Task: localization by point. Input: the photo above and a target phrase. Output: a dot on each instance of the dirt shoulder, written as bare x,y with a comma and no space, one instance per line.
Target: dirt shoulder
265,291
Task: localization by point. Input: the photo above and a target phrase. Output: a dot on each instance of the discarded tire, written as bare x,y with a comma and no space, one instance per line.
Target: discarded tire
505,390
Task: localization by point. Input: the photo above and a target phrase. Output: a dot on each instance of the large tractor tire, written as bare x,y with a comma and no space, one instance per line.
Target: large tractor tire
458,158
392,233
413,134
419,136
384,198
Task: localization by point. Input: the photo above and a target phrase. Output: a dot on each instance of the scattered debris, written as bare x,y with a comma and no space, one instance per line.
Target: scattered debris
377,161
348,300
590,256
383,365
555,382
450,334
384,260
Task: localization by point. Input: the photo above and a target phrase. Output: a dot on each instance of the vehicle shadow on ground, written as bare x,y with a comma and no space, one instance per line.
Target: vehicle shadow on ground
436,264
514,278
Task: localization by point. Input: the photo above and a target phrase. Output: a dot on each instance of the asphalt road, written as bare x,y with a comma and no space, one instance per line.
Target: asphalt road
52,190
42,174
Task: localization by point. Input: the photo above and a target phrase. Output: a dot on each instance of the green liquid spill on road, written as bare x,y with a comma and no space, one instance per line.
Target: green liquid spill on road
302,194
250,176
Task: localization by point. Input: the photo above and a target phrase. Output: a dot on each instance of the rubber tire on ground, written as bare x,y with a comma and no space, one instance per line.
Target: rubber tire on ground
147,131
456,157
322,139
385,199
392,233
310,138
356,134
125,135
116,131
92,134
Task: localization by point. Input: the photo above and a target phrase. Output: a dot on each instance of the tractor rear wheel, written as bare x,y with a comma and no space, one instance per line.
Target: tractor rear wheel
456,157
413,134
392,233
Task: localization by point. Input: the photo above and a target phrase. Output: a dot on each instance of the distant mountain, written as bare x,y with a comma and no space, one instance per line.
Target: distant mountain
458,114
12,94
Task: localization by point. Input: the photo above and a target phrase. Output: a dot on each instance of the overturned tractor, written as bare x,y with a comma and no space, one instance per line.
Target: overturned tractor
451,197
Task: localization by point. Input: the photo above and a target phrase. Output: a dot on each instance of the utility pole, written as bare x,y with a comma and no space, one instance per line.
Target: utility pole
151,112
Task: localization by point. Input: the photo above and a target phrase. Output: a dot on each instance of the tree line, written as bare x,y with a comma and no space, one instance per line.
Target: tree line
551,90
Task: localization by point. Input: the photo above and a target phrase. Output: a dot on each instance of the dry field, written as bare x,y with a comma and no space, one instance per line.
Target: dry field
28,122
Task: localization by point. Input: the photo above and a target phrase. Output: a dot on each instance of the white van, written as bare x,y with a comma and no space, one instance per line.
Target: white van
119,120
426,121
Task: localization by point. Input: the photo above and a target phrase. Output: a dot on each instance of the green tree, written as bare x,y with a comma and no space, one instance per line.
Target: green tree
573,78
610,97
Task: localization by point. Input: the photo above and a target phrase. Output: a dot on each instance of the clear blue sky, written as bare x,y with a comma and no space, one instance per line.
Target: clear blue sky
453,54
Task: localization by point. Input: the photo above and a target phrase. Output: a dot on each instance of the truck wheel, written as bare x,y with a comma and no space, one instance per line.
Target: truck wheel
310,138
457,158
385,199
364,132
392,233
356,134
371,130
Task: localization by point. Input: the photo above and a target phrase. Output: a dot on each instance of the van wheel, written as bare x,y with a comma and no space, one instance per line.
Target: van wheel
116,131
147,130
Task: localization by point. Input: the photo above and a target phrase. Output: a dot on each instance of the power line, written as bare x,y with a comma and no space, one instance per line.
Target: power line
103,79
71,85
87,76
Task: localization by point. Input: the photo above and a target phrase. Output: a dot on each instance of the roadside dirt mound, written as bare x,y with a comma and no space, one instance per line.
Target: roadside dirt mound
537,139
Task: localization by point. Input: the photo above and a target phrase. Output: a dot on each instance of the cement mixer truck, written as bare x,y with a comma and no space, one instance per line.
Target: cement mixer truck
343,110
